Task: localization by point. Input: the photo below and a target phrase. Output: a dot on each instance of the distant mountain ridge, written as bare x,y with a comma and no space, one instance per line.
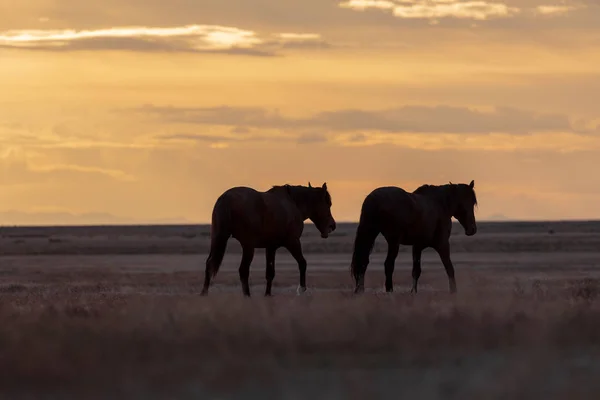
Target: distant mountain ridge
19,218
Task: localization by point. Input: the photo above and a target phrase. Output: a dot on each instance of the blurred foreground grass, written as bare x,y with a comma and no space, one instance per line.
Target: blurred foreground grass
528,342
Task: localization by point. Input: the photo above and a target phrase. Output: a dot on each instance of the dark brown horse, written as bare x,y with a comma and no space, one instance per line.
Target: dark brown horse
420,219
267,220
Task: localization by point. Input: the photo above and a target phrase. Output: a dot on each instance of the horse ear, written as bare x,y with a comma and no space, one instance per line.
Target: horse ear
472,184
309,185
324,185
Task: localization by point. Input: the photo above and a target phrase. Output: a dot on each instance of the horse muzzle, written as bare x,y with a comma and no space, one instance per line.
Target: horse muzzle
325,232
471,230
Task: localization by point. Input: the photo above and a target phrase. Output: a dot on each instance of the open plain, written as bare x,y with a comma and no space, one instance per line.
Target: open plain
115,312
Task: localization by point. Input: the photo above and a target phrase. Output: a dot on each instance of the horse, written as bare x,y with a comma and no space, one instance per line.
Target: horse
420,219
268,220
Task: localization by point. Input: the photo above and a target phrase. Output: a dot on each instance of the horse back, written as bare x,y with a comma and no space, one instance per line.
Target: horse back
408,217
262,218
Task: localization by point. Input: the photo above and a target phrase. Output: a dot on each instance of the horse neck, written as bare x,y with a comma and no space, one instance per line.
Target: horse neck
444,197
300,196
450,201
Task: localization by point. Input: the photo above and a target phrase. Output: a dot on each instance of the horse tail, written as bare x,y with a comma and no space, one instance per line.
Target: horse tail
220,231
364,241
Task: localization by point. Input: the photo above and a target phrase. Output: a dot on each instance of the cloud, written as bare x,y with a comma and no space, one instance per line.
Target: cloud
213,141
224,115
434,9
196,137
311,138
460,9
70,134
406,119
112,173
299,40
17,168
222,141
188,38
554,9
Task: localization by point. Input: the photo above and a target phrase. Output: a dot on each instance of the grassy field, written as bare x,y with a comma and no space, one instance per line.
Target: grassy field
114,312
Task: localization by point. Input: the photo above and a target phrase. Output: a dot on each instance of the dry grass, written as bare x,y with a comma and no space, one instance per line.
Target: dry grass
523,325
83,339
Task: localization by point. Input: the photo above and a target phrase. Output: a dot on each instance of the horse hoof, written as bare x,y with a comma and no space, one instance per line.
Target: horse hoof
204,292
300,290
359,290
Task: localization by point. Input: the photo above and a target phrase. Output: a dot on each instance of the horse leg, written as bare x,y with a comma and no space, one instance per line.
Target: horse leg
416,269
363,245
295,249
393,247
444,253
214,260
270,273
207,276
247,256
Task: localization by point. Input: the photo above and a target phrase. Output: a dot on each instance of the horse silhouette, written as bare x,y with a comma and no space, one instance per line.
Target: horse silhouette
420,219
268,220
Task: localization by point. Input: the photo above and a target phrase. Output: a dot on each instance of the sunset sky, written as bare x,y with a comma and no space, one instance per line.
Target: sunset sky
148,110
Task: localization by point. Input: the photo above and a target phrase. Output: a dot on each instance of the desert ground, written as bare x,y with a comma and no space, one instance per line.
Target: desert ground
115,312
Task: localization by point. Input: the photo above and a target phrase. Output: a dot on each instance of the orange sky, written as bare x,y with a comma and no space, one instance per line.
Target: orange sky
146,111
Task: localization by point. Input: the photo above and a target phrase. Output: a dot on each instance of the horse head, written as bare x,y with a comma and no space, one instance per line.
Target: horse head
465,200
319,209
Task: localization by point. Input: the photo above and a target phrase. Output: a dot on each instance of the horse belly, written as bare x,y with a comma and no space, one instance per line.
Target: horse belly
270,239
411,238
402,217
247,224
262,221
257,237
407,229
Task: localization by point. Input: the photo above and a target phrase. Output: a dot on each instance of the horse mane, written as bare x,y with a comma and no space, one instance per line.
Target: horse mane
433,190
275,188
440,191
299,192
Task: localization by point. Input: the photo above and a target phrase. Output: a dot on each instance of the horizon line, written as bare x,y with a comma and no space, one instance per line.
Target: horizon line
486,221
